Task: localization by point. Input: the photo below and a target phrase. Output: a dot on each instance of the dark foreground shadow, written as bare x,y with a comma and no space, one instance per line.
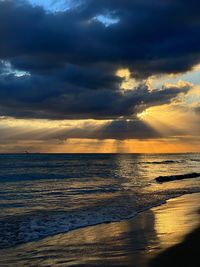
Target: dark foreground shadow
185,254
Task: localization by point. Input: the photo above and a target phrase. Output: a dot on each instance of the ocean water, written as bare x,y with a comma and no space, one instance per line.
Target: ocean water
46,194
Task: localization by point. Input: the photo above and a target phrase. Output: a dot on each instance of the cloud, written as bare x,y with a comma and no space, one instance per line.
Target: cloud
118,130
20,130
144,39
35,97
175,126
63,65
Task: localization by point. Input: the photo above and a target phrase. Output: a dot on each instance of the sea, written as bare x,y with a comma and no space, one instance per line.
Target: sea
42,195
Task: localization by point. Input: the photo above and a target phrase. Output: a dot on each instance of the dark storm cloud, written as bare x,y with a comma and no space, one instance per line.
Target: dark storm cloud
123,129
71,58
151,37
36,97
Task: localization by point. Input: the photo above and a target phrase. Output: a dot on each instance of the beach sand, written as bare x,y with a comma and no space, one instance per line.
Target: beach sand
157,237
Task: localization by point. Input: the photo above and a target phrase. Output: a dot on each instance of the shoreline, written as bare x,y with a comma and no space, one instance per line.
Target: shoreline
120,243
103,222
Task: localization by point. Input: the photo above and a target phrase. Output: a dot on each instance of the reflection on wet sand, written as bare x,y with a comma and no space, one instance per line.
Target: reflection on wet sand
128,243
176,219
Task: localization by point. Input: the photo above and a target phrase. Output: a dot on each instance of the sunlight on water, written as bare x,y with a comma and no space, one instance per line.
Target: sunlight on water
43,195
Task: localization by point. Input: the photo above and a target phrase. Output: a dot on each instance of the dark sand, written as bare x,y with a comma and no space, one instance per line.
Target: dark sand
162,236
186,253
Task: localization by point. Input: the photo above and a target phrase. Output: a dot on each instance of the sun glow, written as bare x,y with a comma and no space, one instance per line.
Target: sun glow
128,82
144,114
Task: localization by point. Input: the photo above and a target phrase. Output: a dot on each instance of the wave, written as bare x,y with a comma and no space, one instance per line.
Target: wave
36,227
162,162
197,160
21,229
162,179
31,177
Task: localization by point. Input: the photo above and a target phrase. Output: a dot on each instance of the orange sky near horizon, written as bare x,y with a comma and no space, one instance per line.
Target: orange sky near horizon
105,146
128,146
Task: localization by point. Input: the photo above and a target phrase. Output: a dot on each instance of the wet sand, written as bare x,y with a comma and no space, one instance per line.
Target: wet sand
157,237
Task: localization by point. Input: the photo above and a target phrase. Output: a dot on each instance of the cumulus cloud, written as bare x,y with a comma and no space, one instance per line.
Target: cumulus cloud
144,39
36,97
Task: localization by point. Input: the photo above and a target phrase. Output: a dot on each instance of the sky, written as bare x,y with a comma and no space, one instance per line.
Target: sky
99,76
